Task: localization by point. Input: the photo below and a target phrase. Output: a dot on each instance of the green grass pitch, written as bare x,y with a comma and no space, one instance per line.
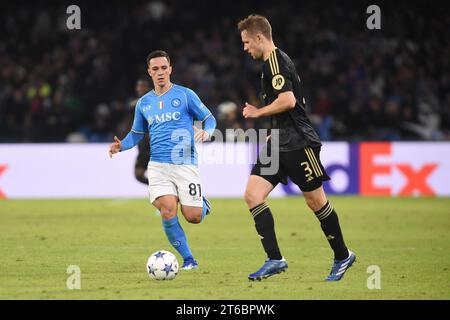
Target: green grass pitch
110,240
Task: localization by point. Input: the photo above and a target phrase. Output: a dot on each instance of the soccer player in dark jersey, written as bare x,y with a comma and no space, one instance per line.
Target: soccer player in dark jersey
298,152
140,168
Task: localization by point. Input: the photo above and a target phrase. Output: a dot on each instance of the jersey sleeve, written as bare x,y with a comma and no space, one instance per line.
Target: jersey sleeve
278,74
196,106
139,123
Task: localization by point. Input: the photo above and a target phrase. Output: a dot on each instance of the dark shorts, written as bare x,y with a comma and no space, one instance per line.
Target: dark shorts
142,160
302,166
144,154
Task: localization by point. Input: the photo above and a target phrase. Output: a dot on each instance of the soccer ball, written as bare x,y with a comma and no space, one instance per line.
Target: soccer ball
162,265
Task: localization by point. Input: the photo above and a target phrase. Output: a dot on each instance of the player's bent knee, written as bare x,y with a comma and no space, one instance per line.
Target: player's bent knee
315,199
193,215
167,206
253,198
194,219
311,204
314,203
168,212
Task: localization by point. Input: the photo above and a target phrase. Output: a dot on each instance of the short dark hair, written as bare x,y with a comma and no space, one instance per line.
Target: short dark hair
157,54
254,23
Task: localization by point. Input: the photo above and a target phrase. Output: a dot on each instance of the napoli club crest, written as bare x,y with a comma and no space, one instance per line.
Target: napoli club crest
176,102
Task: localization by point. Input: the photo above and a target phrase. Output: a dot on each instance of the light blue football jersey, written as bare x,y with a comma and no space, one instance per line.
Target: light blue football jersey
169,118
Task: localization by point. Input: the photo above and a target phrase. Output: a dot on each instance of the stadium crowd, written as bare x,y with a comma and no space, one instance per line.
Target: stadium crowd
61,85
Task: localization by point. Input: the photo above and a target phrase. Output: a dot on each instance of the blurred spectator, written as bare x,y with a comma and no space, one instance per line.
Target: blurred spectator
230,117
73,85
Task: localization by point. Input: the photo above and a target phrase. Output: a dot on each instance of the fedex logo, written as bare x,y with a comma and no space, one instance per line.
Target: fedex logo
380,169
415,177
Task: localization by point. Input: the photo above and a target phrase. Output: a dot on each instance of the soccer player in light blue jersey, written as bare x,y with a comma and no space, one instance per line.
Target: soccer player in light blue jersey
168,113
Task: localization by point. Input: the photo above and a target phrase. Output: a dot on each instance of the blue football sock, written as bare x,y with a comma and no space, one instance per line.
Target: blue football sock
177,237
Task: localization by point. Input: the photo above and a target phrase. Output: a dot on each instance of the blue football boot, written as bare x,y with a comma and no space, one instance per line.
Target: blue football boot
189,264
269,268
340,266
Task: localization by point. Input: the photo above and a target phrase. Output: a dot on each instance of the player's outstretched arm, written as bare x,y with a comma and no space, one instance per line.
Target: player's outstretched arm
128,142
115,146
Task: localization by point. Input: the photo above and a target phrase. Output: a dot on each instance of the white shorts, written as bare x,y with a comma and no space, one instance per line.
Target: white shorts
181,180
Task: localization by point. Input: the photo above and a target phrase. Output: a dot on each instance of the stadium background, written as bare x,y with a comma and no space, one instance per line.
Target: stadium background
61,85
379,99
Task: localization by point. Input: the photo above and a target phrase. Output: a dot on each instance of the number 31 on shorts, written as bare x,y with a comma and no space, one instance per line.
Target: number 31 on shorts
308,171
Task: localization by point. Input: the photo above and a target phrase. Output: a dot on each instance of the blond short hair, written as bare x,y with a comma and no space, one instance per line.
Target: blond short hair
256,23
